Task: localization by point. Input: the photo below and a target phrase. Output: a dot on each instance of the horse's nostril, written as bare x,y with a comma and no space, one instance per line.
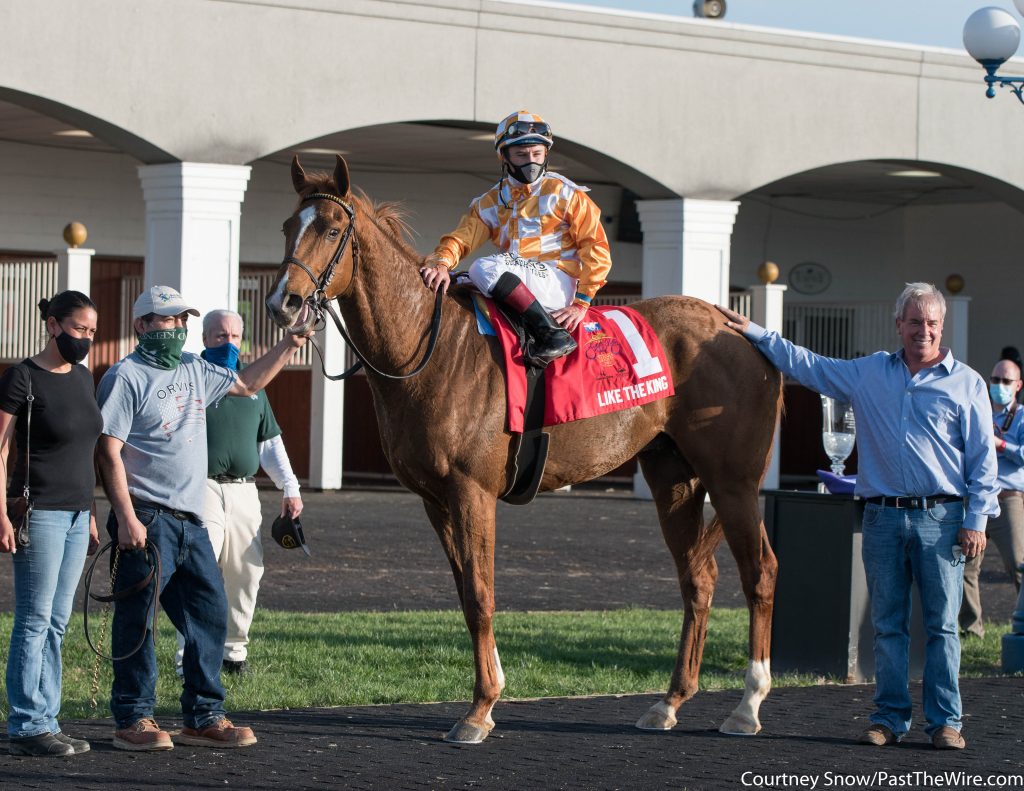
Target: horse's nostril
292,303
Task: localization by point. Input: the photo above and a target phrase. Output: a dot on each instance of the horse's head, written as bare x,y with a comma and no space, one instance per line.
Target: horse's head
318,248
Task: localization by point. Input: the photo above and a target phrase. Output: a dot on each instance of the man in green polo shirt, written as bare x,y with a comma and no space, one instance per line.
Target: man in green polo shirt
242,436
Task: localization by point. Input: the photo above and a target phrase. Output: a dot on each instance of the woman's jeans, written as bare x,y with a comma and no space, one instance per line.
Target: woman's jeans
192,595
46,575
903,545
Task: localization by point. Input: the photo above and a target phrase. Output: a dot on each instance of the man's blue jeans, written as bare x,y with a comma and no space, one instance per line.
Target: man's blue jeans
192,595
46,575
900,546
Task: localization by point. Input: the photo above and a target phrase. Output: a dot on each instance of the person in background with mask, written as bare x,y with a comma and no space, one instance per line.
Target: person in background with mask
1007,529
242,436
554,251
65,424
152,458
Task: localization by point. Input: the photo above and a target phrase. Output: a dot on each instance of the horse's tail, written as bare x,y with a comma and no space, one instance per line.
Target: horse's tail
780,410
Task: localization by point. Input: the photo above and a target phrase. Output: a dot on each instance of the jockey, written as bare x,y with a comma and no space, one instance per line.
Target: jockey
554,252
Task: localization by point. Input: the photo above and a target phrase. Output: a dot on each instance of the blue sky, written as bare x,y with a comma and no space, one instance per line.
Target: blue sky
937,23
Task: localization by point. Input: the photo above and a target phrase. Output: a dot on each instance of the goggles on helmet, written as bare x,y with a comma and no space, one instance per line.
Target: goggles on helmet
522,129
519,128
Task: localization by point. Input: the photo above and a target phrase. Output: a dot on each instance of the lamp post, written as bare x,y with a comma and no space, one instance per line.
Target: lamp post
991,37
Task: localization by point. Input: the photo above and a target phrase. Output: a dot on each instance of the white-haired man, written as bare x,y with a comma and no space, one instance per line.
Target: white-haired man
242,435
928,473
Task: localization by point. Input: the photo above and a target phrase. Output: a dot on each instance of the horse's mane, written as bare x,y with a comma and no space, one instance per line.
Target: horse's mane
388,216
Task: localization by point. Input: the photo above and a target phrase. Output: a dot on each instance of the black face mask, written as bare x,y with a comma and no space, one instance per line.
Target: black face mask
528,173
73,350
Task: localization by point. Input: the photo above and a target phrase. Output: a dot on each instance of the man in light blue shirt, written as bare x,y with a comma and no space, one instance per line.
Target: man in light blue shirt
1006,531
928,473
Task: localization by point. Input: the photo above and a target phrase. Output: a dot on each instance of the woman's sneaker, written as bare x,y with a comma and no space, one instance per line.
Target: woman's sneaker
142,735
41,745
218,734
78,745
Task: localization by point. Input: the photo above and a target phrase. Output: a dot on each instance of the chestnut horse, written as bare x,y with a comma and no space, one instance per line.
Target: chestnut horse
444,431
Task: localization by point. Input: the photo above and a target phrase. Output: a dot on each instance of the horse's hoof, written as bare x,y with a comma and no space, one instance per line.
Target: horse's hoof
737,725
660,717
466,732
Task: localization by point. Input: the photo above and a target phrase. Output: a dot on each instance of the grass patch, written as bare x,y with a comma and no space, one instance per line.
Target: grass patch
302,659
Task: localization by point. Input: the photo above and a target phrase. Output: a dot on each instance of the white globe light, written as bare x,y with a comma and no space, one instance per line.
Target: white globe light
1020,6
992,34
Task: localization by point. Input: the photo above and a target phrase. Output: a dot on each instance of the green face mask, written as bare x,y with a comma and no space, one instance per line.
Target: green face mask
162,348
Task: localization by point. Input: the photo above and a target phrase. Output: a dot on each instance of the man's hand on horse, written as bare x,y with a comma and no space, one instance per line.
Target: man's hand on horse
570,316
436,276
734,320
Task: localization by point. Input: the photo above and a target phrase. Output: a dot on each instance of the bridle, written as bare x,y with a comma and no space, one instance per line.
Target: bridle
319,303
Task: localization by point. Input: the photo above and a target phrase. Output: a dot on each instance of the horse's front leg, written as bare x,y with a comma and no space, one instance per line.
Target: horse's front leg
472,514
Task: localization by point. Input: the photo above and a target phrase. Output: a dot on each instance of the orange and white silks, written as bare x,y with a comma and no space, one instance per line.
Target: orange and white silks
552,220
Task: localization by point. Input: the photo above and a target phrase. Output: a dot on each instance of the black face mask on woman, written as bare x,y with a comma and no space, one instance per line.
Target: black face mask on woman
73,350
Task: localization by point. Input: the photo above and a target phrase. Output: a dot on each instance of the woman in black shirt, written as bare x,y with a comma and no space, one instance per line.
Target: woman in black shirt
65,424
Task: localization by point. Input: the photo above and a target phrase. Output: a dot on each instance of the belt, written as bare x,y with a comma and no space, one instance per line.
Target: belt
223,478
181,516
914,503
1006,494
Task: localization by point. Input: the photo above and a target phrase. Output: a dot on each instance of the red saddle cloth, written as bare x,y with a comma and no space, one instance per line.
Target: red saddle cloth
619,364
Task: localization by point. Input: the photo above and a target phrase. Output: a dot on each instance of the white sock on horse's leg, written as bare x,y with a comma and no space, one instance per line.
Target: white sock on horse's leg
744,720
501,673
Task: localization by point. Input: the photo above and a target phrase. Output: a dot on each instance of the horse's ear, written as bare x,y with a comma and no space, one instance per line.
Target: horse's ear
299,180
341,179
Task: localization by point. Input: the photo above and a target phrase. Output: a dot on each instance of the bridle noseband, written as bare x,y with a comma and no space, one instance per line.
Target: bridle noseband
319,303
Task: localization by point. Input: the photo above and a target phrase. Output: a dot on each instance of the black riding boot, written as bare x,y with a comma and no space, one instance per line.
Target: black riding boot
549,340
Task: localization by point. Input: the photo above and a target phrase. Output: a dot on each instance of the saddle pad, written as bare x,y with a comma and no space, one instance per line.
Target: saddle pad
619,364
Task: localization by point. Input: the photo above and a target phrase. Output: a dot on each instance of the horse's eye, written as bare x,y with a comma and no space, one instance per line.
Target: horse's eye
333,233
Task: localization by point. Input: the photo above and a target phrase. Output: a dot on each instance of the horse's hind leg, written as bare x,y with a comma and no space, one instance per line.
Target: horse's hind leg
466,529
680,501
741,520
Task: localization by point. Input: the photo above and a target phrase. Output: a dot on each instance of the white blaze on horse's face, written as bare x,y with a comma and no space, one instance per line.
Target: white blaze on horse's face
275,301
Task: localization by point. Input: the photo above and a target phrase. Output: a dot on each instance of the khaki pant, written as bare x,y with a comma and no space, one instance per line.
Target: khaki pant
232,518
1006,531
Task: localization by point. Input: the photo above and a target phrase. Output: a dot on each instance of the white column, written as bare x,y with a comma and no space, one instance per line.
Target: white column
193,210
687,245
327,413
74,269
954,328
766,310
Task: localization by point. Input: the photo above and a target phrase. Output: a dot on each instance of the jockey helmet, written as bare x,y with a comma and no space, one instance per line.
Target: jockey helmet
520,129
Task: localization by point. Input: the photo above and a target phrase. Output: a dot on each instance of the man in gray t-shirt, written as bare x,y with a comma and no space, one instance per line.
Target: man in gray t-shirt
152,457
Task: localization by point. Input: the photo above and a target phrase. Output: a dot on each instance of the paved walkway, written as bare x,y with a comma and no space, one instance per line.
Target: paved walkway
557,744
373,549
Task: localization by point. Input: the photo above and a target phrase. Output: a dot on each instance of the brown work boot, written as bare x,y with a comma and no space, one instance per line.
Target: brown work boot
878,735
946,738
218,734
141,735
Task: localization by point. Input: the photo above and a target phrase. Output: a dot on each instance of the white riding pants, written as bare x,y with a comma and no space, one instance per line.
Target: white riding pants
552,287
232,519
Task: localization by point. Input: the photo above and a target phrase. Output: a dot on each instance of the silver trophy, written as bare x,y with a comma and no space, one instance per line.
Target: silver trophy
838,431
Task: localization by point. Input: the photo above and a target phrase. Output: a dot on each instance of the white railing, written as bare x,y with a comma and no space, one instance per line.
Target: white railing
131,287
616,300
22,285
843,330
739,301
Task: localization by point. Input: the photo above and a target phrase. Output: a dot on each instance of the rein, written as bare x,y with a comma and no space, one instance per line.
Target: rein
319,303
151,609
